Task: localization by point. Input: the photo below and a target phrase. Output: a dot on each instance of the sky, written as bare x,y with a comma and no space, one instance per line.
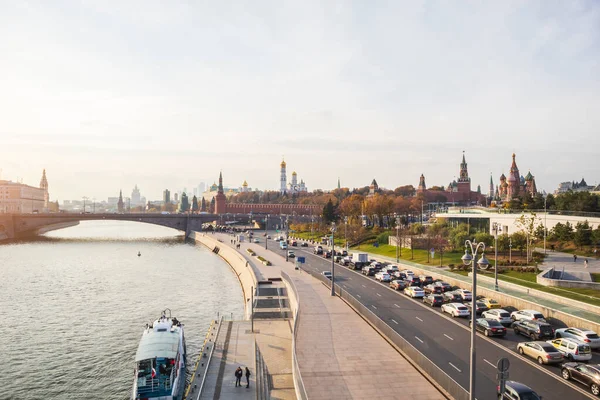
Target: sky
108,94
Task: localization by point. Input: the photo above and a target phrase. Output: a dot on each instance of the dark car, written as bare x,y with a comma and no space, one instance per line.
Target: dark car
304,244
399,275
344,253
489,327
432,289
426,279
413,281
434,300
479,306
398,284
444,285
369,271
589,375
294,243
451,297
518,391
327,254
536,330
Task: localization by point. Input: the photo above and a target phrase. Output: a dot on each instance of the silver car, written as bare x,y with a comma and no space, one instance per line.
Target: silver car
499,315
543,352
589,337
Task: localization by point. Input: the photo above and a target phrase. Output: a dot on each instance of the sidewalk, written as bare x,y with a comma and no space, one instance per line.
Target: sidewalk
339,355
558,260
569,309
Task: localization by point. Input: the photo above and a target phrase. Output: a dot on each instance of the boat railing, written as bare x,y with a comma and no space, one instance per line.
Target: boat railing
156,384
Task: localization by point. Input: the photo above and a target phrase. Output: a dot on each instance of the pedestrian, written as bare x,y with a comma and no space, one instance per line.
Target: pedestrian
585,264
574,257
238,376
247,377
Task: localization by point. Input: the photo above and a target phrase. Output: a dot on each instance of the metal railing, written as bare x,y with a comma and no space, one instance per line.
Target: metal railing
212,350
298,382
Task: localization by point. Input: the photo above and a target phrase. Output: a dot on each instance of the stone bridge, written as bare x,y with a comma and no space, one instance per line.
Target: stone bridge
14,226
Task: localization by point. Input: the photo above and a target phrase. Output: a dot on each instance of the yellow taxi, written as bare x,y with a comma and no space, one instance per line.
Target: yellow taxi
490,303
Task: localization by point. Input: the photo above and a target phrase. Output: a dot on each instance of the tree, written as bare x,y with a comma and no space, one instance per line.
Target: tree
203,205
519,240
563,232
528,224
583,234
329,212
458,236
484,237
503,242
194,204
351,207
405,191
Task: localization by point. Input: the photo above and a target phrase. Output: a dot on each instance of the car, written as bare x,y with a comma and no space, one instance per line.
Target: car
517,391
489,327
434,300
318,250
499,315
304,244
456,309
256,240
399,275
268,236
291,254
451,297
432,289
344,253
543,352
490,303
465,294
326,254
283,245
446,287
480,307
426,279
536,330
383,276
572,349
293,243
369,271
397,284
589,375
414,280
589,337
529,315
326,274
414,292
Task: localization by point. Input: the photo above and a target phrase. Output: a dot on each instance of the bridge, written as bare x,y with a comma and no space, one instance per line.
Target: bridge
14,226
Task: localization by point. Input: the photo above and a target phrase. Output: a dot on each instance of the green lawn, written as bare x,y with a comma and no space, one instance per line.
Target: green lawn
417,255
595,277
339,241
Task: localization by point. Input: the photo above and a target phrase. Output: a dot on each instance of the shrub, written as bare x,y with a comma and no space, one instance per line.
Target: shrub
383,238
451,266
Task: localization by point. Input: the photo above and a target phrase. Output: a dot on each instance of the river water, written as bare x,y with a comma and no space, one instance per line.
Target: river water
75,301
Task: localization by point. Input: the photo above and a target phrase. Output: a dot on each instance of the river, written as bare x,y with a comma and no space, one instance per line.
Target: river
75,301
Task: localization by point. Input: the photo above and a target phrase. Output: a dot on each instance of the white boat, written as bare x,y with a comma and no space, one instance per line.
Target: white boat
160,361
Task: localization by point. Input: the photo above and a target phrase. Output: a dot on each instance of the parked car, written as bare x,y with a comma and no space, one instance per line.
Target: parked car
369,271
451,297
268,236
517,391
530,315
432,289
572,349
465,294
490,303
414,280
480,307
434,300
383,276
397,284
456,309
589,337
589,375
536,330
414,292
543,352
318,250
399,275
291,254
293,243
256,240
446,287
326,274
426,279
304,244
489,327
499,315
326,254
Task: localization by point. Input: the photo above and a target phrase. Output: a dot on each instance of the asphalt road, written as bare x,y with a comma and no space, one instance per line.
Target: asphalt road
443,339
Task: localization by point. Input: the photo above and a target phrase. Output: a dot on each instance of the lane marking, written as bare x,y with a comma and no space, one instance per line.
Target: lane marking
345,286
448,337
349,278
358,295
493,366
364,286
373,306
455,367
378,294
396,305
394,321
416,337
419,319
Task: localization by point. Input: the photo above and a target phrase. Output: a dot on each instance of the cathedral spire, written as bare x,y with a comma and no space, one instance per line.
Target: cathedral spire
464,173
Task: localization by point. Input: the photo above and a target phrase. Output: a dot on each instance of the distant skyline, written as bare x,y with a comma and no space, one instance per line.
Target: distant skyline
108,95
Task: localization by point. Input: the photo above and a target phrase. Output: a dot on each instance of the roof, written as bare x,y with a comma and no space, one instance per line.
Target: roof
158,344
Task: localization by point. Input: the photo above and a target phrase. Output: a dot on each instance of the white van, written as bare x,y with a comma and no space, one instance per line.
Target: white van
283,245
572,349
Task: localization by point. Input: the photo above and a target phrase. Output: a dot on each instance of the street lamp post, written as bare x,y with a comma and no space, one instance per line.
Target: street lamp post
545,218
287,253
496,227
332,260
84,199
509,250
266,224
346,232
468,259
397,239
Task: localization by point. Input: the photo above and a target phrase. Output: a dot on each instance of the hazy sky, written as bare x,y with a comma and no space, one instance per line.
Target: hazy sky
106,94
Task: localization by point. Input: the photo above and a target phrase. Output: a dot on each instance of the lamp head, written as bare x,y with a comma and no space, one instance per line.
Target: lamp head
466,258
483,261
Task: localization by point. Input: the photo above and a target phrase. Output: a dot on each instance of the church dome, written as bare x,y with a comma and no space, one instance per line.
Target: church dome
528,177
502,177
294,173
245,184
511,178
283,164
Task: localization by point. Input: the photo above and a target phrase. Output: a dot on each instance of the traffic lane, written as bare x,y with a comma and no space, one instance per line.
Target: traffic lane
525,369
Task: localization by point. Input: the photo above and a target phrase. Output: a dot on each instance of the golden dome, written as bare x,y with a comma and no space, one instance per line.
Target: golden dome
283,164
294,173
245,184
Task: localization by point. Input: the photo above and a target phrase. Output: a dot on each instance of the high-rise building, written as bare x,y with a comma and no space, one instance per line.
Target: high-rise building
44,187
176,198
136,196
166,196
120,204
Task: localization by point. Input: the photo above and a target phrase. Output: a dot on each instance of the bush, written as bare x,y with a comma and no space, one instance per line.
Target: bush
451,266
383,238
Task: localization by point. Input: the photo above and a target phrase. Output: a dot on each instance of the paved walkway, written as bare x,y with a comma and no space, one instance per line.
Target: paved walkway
525,295
339,355
566,261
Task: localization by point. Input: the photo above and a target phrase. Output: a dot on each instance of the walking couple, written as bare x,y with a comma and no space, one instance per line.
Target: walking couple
238,377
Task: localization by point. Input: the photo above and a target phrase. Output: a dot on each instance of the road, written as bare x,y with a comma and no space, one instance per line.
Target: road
444,340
